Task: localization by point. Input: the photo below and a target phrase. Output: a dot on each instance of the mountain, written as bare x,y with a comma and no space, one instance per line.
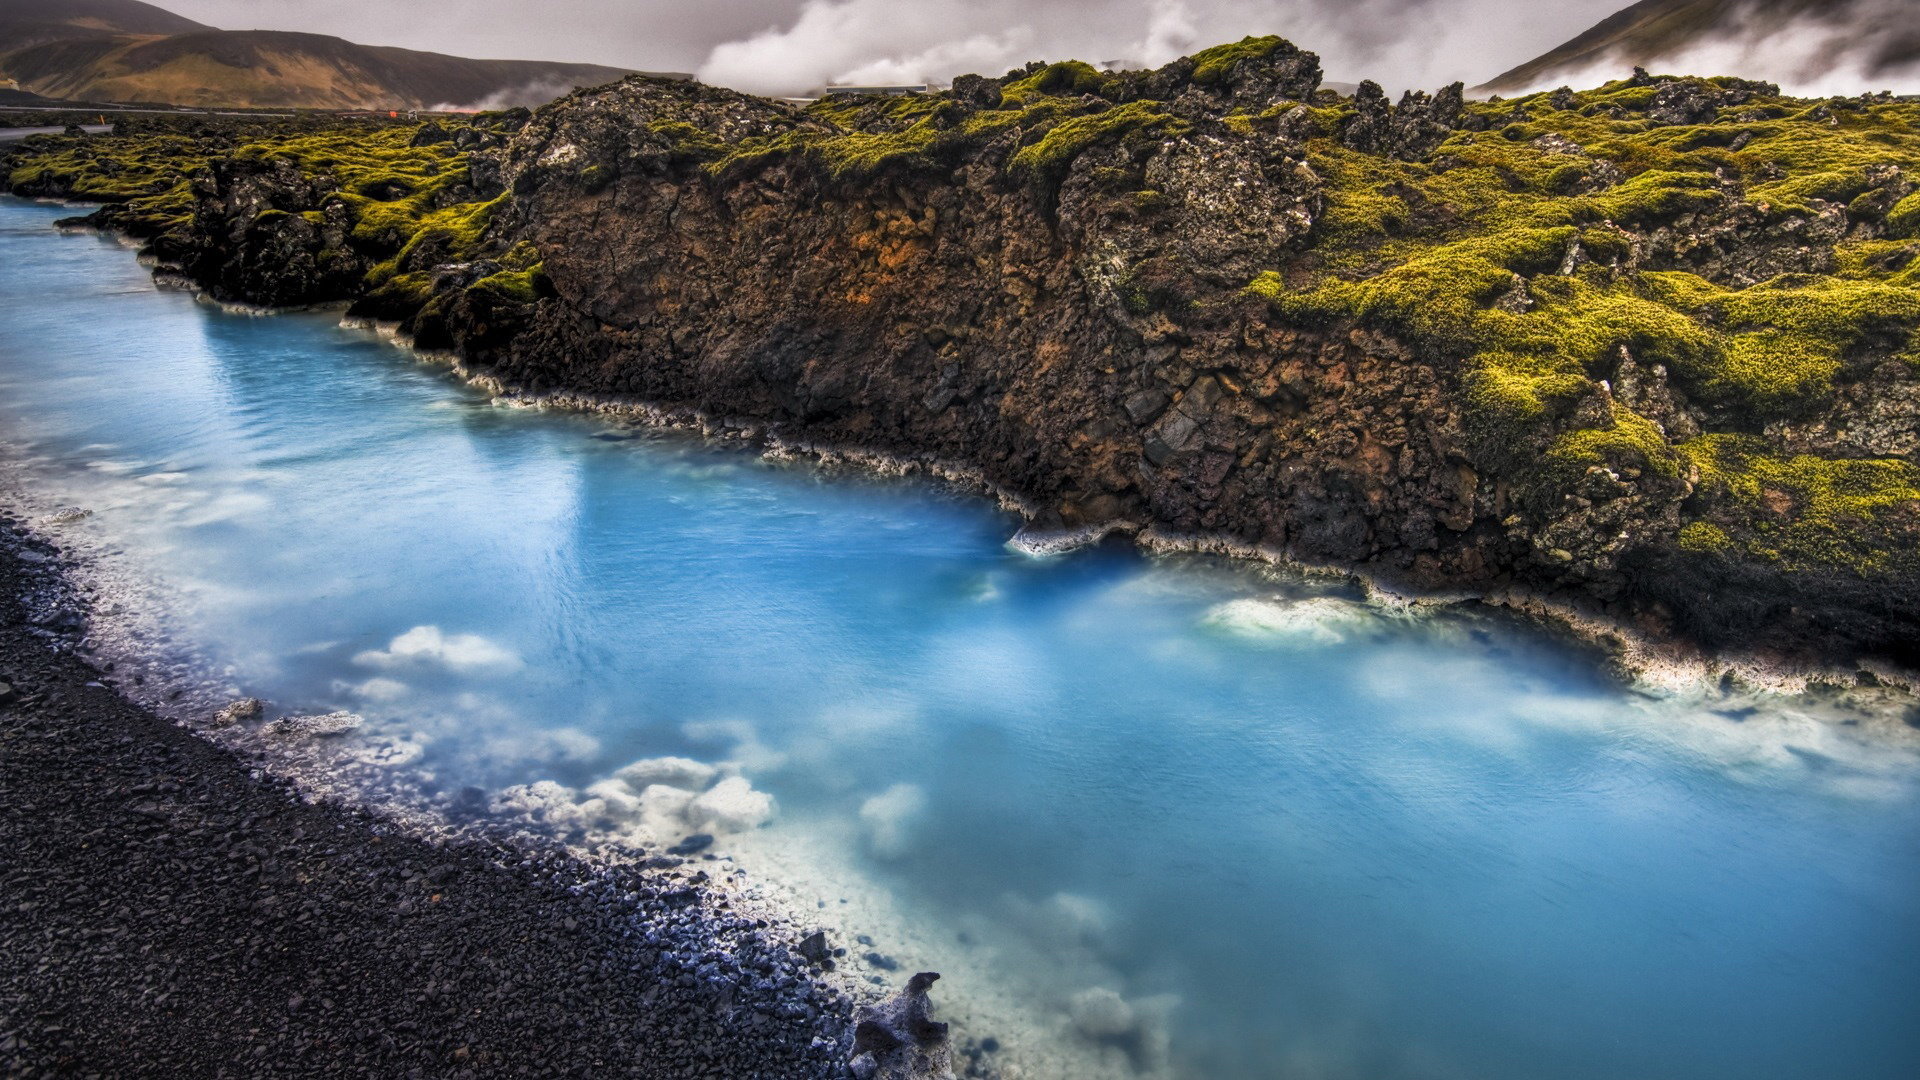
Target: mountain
123,50
1796,42
29,22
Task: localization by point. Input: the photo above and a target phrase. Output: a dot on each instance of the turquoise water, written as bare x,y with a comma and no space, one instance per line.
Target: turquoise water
1189,819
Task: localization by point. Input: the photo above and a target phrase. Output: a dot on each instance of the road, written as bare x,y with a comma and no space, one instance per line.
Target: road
99,110
8,135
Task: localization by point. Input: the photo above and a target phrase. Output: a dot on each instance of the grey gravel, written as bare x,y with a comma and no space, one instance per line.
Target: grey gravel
166,912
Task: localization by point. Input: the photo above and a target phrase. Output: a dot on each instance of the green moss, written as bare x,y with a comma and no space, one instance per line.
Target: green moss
1786,339
1677,289
1462,255
1051,157
930,142
1704,538
402,202
871,152
1147,200
855,112
922,134
512,286
396,292
597,176
1211,66
1509,393
451,234
1067,78
1806,512
522,256
1903,221
686,141
107,170
1632,443
1652,198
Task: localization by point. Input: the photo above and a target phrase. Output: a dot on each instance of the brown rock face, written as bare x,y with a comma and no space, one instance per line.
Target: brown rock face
1085,344
1085,348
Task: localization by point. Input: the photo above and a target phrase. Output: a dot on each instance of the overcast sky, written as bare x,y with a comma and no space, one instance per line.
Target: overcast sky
788,45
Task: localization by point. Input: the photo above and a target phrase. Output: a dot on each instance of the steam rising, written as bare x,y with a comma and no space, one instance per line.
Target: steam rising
1847,47
1400,43
789,46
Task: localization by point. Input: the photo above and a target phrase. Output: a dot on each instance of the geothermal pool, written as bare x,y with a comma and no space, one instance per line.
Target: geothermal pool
1155,817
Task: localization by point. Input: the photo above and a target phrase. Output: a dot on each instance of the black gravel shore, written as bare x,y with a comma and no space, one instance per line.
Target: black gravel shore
166,912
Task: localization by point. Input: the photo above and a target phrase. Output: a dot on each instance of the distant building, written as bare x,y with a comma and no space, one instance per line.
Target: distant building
891,91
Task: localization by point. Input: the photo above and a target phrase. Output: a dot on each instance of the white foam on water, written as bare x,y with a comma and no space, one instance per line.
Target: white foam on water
1316,620
1046,543
316,726
671,771
424,645
1850,743
890,819
1005,976
379,688
732,805
748,753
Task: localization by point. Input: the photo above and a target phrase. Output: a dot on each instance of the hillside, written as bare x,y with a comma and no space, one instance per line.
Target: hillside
1867,35
120,50
30,22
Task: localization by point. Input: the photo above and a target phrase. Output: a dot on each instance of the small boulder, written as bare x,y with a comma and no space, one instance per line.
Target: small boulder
431,132
899,1039
1145,405
320,726
1681,103
235,712
813,948
692,845
977,91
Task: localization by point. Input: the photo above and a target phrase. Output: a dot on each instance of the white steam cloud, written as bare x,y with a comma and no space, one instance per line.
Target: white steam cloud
1397,42
430,646
1844,48
1402,44
531,94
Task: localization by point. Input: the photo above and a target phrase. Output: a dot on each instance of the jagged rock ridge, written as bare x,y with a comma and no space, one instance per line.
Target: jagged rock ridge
1646,349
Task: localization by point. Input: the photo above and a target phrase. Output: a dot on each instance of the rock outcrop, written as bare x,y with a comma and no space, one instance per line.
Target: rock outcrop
898,1039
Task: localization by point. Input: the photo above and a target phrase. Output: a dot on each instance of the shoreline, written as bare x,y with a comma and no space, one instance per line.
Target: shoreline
769,444
179,908
1643,661
1646,661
